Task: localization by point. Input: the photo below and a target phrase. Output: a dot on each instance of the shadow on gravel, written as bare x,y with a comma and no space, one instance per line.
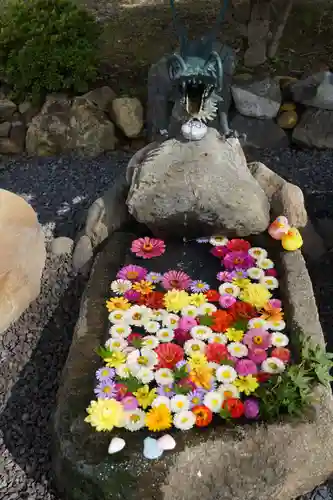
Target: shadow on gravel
26,419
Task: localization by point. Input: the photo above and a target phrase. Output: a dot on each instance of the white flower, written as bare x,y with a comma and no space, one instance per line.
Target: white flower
121,330
217,338
277,326
184,420
179,403
171,321
257,323
138,315
151,326
161,400
135,420
201,332
164,376
144,358
123,371
206,308
165,335
229,289
257,253
269,282
194,347
279,339
150,342
255,273
265,263
237,349
218,241
117,316
213,400
119,287
214,366
145,375
273,365
116,344
190,311
226,374
228,391
158,314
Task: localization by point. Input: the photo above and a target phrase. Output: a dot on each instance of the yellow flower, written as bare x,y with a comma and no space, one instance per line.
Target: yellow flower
201,376
144,396
241,282
175,300
197,299
105,414
247,384
116,359
159,418
144,287
197,360
255,294
234,335
117,303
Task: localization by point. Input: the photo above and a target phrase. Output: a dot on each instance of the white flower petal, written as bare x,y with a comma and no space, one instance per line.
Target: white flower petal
184,420
179,403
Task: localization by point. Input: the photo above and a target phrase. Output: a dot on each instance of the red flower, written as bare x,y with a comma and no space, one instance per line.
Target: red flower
234,406
262,377
221,320
281,353
238,245
271,272
169,355
133,336
219,251
154,300
216,352
242,310
203,415
212,295
181,336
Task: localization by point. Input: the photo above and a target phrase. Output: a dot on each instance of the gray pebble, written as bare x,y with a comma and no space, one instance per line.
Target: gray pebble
62,245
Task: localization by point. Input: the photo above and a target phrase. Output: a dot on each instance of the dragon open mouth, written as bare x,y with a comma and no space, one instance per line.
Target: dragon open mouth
198,100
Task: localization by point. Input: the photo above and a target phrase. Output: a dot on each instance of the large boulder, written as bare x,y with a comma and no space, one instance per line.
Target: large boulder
315,129
257,98
315,90
22,257
201,187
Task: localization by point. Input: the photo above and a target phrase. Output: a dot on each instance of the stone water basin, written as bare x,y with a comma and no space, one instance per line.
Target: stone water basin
246,462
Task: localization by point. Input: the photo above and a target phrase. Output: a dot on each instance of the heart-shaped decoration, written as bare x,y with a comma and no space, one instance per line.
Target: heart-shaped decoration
116,444
151,449
166,442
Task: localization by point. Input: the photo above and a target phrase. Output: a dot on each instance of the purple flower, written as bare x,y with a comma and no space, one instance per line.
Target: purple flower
105,373
196,397
198,286
154,277
238,261
129,403
181,363
105,389
224,276
240,274
227,301
132,295
202,240
251,407
246,367
165,390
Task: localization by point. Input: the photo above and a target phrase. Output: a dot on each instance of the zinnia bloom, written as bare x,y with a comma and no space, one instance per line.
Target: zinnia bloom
212,295
251,408
257,354
169,355
176,280
159,418
148,248
255,294
105,414
257,337
181,336
154,300
238,245
186,323
226,301
117,303
246,367
216,352
234,406
132,273
238,261
143,287
221,321
132,295
242,310
281,353
219,251
203,415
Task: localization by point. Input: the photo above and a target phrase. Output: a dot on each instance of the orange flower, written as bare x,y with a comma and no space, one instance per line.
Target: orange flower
144,287
201,376
117,303
270,313
203,415
154,300
242,310
212,295
221,320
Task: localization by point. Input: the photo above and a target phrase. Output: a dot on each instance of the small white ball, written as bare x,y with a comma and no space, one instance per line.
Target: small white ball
194,130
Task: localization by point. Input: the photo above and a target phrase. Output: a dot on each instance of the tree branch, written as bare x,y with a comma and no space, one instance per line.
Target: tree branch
276,38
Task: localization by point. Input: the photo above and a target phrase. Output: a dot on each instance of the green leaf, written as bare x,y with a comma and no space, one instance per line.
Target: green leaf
182,389
180,373
225,414
103,352
132,383
227,362
137,343
240,324
206,320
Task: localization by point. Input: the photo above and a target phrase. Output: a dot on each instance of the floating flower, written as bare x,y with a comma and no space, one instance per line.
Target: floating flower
176,280
158,418
135,420
234,335
145,375
277,326
216,352
206,309
201,376
120,331
242,310
229,289
226,301
171,321
116,344
221,321
257,323
181,336
151,326
145,396
238,245
193,346
105,373
184,420
255,273
117,303
247,384
105,414
269,282
198,286
150,341
123,371
265,264
115,359
189,311
257,354
212,295
161,400
213,400
217,338
143,287
198,299
164,376
165,334
281,353
165,391
272,311
220,251
186,323
228,391
238,261
175,300
129,403
203,415
196,397
117,316
154,277
256,295
226,374
106,389
158,314
132,273
153,300
169,355
179,403
120,286
257,337
237,349
121,391
148,248
141,358
133,338
201,332
138,315
202,239
196,360
279,339
273,365
246,367
217,241
235,407
251,408
132,296
257,253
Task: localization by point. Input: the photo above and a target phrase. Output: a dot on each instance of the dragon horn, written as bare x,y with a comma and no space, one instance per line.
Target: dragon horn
214,57
177,58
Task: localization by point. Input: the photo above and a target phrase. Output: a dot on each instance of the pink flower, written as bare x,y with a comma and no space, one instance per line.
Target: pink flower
147,248
227,301
238,261
257,337
219,251
129,403
223,275
246,367
257,355
251,408
177,280
181,336
275,303
132,295
271,272
186,323
132,273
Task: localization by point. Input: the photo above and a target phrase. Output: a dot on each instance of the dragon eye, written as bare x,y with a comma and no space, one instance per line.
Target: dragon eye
173,72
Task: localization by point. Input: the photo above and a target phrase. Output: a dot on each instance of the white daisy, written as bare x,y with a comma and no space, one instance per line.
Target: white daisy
171,321
273,365
164,376
121,330
279,339
119,287
184,420
229,289
213,400
165,334
228,391
226,374
123,371
206,308
194,347
269,282
201,332
217,338
158,314
190,311
145,375
150,341
117,316
277,326
257,323
218,241
151,326
179,403
258,253
265,264
138,315
237,349
143,358
255,273
161,400
116,344
135,419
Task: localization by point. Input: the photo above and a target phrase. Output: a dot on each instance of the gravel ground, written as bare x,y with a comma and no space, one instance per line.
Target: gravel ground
33,351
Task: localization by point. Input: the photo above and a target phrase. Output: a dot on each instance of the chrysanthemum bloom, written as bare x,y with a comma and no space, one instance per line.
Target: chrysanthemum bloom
135,420
176,280
143,287
219,251
213,401
255,294
106,389
184,420
279,339
198,286
255,273
273,365
226,301
154,300
117,303
159,418
265,264
132,273
198,299
218,240
281,353
225,276
216,352
237,350
120,286
238,261
251,408
234,335
238,245
179,403
247,384
221,321
242,310
203,415
258,253
257,354
186,323
154,277
169,355
212,295
175,300
246,367
234,406
257,337
229,289
105,373
165,391
115,359
132,296
197,360
148,248
229,391
105,414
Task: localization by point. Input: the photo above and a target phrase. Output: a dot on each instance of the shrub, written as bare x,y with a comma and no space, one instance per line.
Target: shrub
47,46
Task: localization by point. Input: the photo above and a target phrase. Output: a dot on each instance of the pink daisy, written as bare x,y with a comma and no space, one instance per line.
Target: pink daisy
246,367
257,337
257,355
227,301
132,273
186,323
147,248
177,280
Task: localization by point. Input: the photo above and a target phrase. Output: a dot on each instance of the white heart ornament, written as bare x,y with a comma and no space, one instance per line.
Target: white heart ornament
151,449
194,130
166,442
116,445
